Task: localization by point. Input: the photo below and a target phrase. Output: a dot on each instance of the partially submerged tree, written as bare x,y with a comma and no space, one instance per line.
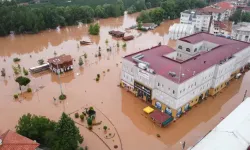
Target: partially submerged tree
68,136
3,73
80,61
22,81
94,29
40,61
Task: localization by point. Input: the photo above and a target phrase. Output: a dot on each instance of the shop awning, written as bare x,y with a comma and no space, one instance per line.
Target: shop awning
161,118
148,110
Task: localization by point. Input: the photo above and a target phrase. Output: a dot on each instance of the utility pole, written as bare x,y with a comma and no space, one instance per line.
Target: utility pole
245,95
58,72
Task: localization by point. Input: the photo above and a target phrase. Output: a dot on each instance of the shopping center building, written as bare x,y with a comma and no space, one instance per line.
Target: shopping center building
174,80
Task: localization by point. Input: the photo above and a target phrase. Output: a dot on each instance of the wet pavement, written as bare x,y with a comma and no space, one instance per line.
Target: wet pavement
122,108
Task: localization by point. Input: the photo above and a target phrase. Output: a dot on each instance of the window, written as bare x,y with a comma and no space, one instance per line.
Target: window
173,91
180,55
162,85
158,84
188,49
180,47
195,49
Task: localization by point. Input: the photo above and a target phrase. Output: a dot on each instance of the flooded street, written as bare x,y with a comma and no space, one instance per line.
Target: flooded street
123,109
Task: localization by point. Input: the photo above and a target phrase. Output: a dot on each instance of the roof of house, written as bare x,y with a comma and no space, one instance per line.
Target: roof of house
232,133
225,5
220,24
60,59
148,24
190,67
159,116
211,9
13,141
116,32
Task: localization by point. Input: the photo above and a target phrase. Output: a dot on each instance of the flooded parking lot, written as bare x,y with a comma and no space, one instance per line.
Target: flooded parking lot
122,108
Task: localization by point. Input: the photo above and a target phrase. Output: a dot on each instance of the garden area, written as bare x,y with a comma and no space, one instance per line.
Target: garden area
97,123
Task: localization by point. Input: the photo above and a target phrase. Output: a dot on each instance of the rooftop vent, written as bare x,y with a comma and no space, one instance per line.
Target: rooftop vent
172,74
137,58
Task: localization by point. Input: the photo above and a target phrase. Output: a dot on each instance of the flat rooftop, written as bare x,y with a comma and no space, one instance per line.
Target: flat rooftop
190,67
232,133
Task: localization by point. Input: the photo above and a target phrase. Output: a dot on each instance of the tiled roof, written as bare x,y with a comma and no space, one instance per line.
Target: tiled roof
159,117
188,68
225,5
220,24
60,59
13,141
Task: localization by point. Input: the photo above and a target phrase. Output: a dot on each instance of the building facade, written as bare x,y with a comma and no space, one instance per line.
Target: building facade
241,31
219,28
199,20
175,80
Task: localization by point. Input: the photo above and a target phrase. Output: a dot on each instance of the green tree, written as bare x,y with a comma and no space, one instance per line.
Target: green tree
80,61
67,134
22,81
170,8
35,127
144,17
94,29
131,9
157,15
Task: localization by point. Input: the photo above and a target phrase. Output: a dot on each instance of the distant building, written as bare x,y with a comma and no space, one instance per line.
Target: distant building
117,34
12,141
175,80
177,31
241,31
232,133
200,20
219,28
61,63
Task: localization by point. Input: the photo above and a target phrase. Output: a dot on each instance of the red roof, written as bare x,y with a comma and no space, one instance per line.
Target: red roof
220,24
159,116
188,68
225,5
60,59
13,141
210,9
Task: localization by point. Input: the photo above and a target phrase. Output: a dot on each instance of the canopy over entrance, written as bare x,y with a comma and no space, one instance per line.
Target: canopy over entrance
148,110
161,118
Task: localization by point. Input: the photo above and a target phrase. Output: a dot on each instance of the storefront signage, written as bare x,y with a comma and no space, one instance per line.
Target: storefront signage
143,74
142,88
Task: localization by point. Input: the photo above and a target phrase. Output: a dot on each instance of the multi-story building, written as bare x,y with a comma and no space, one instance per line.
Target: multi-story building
241,31
219,28
175,80
200,20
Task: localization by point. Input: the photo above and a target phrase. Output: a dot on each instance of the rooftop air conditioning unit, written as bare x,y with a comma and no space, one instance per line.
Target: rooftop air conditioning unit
142,66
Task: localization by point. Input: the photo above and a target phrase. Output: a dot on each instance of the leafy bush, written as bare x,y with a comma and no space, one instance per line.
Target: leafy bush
98,75
124,45
40,61
76,115
117,44
82,117
80,61
16,59
29,90
106,41
89,121
105,128
62,97
15,96
99,54
97,79
16,70
85,55
25,72
94,29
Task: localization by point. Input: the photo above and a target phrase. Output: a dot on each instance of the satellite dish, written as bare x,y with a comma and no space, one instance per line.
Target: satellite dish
1,142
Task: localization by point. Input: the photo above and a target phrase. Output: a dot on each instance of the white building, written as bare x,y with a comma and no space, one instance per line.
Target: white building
219,28
175,80
177,31
241,31
233,133
199,20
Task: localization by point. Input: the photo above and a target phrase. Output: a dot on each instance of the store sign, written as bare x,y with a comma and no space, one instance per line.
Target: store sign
142,88
143,74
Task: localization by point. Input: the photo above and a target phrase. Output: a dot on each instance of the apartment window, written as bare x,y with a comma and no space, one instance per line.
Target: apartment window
173,91
188,49
180,47
158,84
195,49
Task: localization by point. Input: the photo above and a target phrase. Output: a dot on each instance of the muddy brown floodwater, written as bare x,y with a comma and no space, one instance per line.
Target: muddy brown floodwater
122,109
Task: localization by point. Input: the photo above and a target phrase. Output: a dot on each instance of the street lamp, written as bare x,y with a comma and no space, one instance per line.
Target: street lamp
58,72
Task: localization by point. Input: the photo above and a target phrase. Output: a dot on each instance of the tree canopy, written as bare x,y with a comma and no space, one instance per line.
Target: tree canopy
94,29
22,81
240,16
63,135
